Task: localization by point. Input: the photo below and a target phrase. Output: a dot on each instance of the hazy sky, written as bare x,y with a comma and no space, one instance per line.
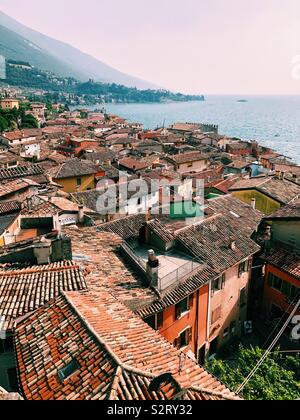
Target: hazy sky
199,46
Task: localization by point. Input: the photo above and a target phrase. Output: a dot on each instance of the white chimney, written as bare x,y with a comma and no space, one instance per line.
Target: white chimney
42,251
253,203
152,268
56,223
81,214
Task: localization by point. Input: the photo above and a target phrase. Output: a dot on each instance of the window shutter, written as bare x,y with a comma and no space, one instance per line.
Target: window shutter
177,342
223,281
270,280
286,289
191,302
178,311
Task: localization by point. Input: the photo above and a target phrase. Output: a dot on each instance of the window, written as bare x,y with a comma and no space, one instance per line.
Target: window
218,284
12,379
155,321
68,370
7,345
287,289
183,307
184,339
233,328
216,315
275,282
243,297
139,201
294,292
78,182
244,267
190,165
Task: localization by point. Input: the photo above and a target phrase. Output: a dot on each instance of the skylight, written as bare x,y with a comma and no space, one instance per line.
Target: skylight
68,371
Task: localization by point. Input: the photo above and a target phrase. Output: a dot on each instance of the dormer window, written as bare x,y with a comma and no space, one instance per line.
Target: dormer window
68,371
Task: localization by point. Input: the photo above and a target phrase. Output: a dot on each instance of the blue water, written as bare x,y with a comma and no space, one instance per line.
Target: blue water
272,120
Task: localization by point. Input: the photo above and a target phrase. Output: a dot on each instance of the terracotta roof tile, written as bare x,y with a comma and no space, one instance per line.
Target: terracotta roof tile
290,211
187,157
23,290
20,172
114,355
283,191
285,260
236,210
9,207
211,242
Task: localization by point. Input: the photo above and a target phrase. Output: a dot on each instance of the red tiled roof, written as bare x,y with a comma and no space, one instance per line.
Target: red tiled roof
286,261
23,290
290,211
14,186
187,157
236,210
282,191
211,241
133,164
9,207
115,355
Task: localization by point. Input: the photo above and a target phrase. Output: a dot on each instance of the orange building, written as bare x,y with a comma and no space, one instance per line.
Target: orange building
9,103
200,275
282,285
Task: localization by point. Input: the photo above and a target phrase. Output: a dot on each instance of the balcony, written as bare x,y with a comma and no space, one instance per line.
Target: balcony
173,265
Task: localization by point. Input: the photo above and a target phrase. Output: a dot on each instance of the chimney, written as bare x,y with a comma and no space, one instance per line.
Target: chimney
29,206
42,251
81,214
152,268
56,224
253,203
233,245
148,214
268,239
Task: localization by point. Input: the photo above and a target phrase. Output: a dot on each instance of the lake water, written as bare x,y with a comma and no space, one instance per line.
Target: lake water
272,120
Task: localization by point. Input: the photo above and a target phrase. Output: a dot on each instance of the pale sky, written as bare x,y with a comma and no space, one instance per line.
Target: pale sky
197,46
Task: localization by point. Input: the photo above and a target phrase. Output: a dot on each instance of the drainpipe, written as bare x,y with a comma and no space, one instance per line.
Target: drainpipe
208,314
197,325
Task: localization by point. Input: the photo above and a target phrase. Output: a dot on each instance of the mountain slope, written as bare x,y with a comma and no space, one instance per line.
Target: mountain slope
83,66
15,47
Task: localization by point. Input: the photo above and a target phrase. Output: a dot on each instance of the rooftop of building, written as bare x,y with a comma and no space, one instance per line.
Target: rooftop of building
89,346
285,260
239,212
187,157
74,168
290,212
24,171
24,288
16,185
281,190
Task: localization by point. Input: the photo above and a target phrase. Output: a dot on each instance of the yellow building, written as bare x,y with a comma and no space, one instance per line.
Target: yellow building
76,175
268,194
8,104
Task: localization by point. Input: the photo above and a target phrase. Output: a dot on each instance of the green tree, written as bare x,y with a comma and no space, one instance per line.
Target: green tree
3,124
28,121
277,379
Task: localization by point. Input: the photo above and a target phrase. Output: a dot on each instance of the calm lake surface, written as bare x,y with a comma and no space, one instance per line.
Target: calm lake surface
272,120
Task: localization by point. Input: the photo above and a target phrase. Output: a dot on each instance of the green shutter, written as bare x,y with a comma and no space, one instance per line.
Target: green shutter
286,289
271,280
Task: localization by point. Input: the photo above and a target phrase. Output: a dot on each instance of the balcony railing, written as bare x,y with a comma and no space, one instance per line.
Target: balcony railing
175,276
163,281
